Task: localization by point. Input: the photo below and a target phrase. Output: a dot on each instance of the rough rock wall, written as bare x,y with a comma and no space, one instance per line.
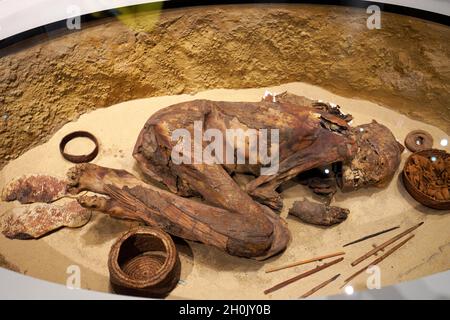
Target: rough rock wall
52,79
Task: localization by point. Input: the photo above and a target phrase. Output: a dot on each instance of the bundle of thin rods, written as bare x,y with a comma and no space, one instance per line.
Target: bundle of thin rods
379,248
367,255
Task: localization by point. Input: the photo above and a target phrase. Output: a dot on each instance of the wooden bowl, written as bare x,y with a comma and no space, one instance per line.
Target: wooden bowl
418,195
144,262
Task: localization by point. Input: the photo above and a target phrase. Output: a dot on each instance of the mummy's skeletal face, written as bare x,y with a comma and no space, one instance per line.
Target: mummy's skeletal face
376,160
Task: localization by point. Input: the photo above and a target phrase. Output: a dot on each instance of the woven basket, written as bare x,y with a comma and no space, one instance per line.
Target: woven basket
144,262
421,197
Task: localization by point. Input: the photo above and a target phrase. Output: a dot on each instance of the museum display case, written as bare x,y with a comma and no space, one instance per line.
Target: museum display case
226,150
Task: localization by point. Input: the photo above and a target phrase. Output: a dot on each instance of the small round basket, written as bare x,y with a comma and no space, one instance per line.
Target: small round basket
418,195
144,262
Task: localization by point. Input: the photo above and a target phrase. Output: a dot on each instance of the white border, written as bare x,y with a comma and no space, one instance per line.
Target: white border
17,16
18,286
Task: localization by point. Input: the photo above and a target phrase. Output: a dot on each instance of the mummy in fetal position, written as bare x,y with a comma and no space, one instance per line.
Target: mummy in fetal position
239,218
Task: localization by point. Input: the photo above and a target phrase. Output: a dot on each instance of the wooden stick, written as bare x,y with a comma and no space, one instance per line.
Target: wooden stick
320,286
370,236
377,261
298,263
303,275
384,245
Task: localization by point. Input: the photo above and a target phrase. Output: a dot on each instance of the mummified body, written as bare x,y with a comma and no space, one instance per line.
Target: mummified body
239,220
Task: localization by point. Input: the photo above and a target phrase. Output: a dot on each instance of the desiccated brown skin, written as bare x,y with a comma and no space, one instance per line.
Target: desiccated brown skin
318,213
34,188
237,219
34,221
376,160
310,136
237,233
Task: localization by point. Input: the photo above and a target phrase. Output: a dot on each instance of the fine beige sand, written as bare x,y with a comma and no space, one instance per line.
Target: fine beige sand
206,272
